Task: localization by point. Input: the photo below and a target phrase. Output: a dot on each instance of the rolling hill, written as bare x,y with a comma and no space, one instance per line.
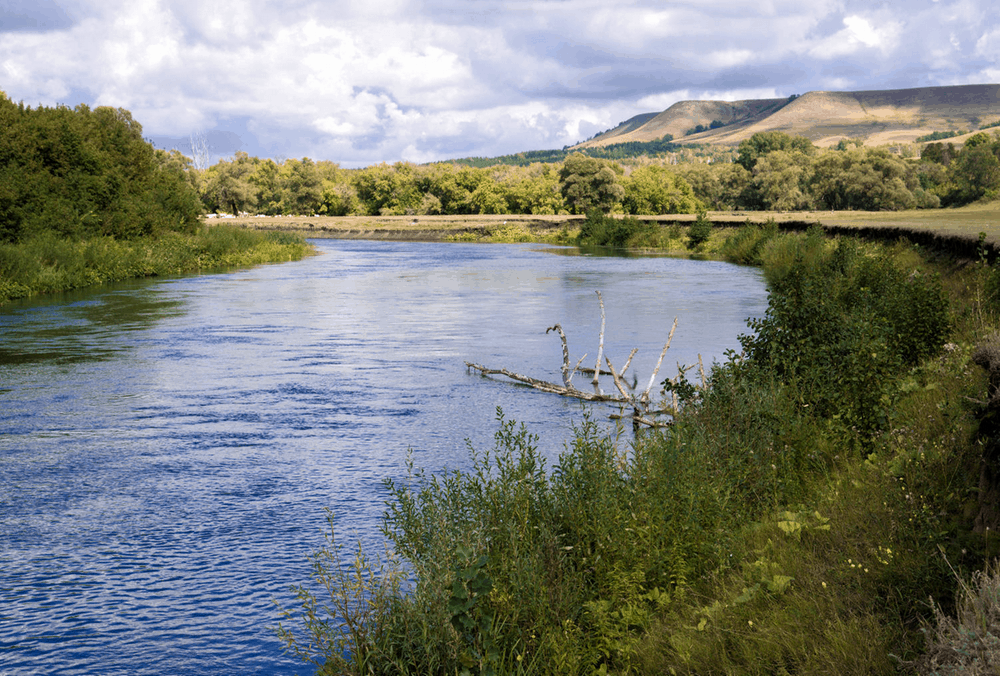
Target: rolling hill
876,117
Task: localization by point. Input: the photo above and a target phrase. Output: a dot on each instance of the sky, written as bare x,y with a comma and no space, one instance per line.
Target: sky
423,80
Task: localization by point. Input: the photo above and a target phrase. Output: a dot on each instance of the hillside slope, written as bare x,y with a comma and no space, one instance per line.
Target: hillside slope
877,117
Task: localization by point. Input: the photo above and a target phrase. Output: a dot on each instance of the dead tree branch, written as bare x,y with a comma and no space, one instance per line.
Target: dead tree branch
642,412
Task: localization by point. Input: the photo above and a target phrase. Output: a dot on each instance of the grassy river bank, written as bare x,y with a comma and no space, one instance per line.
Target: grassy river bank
823,506
48,263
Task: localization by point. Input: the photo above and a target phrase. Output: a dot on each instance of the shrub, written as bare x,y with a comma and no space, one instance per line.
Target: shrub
840,324
603,230
700,231
967,644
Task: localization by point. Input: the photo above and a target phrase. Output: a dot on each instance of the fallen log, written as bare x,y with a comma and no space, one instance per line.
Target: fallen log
643,412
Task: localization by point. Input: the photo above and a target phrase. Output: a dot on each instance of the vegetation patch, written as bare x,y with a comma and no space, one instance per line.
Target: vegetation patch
820,488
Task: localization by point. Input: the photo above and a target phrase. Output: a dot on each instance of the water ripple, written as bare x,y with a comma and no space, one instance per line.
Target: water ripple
168,448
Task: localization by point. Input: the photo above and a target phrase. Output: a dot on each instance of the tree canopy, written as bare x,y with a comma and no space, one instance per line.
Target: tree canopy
82,172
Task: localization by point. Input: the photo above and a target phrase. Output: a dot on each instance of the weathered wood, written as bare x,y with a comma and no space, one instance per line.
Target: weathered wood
600,347
642,412
566,374
544,385
652,378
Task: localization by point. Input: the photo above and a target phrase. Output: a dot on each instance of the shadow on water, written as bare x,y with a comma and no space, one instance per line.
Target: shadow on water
80,326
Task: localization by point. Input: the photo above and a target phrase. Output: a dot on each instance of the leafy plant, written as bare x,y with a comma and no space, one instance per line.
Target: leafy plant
699,231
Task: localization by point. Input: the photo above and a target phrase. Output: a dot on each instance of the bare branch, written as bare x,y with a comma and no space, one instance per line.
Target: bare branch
628,361
600,347
618,380
567,376
545,386
652,378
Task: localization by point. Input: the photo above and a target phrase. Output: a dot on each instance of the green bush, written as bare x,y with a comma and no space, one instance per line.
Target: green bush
602,230
746,246
700,231
840,325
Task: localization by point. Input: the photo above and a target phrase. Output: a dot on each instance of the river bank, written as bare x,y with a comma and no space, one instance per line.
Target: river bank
49,263
956,230
825,483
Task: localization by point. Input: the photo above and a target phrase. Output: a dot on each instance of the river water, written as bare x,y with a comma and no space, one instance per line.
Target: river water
168,447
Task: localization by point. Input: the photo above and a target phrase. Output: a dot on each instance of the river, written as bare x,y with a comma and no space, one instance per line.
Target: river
168,447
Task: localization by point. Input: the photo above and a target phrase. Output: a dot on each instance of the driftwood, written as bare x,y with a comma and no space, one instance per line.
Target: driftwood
643,413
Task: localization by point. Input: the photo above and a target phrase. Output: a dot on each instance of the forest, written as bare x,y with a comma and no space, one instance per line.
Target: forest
770,171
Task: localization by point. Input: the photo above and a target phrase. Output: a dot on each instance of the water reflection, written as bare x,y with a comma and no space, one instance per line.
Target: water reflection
79,326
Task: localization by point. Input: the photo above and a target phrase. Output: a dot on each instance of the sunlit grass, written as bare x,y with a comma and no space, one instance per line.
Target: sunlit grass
48,263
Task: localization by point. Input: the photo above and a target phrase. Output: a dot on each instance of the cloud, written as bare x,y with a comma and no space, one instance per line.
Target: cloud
859,33
429,79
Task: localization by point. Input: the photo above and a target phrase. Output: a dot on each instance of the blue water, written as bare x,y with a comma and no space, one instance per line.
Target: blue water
168,447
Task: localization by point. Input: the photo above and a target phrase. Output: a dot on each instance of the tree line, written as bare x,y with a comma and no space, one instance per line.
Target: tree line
80,172
769,171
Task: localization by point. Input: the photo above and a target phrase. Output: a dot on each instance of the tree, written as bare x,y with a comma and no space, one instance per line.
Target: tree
655,189
80,172
763,143
974,174
589,183
779,182
301,187
228,186
870,179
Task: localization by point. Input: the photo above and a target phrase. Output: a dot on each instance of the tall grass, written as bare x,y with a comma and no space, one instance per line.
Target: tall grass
48,263
790,521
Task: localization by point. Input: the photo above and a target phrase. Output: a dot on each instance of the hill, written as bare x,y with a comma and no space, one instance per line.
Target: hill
825,118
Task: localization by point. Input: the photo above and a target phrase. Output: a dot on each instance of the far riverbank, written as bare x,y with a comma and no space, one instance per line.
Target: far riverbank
956,230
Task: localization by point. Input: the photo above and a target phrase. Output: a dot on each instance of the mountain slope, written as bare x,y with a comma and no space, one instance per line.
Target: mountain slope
877,117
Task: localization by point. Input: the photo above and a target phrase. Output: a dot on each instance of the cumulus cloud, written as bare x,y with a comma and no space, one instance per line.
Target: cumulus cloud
432,79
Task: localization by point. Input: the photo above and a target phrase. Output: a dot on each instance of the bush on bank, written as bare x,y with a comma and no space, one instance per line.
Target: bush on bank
795,518
48,263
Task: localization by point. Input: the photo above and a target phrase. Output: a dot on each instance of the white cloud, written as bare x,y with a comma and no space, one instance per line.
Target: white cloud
858,34
425,79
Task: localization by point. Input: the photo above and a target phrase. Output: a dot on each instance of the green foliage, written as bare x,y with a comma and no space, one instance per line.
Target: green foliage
700,231
938,136
974,174
86,173
601,230
780,181
47,263
746,246
840,324
763,143
359,592
655,189
588,184
869,179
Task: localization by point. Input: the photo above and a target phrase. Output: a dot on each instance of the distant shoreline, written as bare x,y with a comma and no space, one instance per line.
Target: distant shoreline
952,229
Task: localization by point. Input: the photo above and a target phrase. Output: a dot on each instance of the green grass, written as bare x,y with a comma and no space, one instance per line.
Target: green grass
48,263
